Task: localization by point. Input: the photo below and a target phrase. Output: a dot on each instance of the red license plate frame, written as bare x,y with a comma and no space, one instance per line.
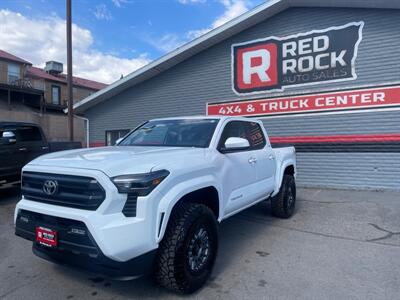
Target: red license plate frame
46,237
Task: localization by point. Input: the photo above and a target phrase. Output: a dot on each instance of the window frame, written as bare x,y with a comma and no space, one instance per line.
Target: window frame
59,94
17,75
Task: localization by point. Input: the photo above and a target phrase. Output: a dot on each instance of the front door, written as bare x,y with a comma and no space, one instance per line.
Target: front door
239,173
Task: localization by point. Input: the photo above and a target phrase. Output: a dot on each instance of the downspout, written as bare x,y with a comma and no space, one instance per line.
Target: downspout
87,129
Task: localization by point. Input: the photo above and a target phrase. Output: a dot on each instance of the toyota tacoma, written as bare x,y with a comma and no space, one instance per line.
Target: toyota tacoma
152,203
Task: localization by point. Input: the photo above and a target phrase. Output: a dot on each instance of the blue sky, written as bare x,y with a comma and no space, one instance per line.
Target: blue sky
111,37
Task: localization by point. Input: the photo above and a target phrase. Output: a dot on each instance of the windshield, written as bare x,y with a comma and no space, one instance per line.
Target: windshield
173,133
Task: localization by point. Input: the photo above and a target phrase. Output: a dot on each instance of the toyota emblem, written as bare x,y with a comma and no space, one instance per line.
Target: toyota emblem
50,187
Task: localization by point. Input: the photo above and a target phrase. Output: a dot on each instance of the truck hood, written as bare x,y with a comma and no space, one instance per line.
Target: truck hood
119,160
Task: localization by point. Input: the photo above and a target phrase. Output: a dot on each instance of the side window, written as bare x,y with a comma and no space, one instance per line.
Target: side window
255,135
233,129
55,94
13,72
28,134
250,131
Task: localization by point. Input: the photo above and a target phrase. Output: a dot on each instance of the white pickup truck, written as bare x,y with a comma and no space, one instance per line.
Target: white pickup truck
153,202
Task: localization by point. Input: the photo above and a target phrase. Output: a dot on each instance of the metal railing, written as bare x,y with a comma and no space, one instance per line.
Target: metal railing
22,83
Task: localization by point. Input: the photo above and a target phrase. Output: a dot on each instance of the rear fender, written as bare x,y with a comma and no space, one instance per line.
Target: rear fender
280,171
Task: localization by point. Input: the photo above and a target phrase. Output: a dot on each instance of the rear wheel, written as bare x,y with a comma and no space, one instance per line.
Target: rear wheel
187,252
283,204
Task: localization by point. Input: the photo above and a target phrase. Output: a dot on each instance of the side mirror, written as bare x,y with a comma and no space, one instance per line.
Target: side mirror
118,141
8,138
235,144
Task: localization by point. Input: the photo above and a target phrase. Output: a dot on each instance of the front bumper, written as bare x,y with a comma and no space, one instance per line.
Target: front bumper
118,237
77,247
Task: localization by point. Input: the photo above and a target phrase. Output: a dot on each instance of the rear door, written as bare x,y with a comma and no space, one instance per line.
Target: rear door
31,142
265,159
239,174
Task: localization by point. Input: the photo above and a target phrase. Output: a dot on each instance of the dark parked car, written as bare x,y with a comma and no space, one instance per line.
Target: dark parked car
19,144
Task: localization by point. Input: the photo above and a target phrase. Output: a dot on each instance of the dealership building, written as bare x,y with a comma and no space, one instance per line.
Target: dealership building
323,76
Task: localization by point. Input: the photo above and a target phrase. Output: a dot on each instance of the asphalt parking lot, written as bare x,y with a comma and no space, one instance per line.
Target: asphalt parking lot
339,245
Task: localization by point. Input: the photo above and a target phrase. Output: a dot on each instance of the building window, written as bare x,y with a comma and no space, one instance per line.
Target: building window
55,95
14,72
113,135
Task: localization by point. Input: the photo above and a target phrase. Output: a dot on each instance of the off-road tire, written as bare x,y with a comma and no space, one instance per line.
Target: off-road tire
172,269
281,204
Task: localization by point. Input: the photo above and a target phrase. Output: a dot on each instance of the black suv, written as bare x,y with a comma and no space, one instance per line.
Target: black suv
19,144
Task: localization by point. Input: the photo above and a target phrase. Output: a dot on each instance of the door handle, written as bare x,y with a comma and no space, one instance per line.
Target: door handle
271,156
252,160
22,149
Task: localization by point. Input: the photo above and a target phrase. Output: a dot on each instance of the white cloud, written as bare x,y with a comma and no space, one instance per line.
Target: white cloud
171,41
42,40
101,12
191,1
119,3
233,9
167,43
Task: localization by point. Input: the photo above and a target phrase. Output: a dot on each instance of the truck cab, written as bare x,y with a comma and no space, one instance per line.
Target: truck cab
19,144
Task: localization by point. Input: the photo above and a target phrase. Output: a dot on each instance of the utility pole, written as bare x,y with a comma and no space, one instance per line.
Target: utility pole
69,73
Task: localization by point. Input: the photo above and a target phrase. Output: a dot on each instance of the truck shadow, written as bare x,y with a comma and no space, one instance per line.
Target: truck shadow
236,234
9,194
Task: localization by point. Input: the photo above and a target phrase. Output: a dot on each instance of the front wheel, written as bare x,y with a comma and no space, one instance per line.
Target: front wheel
188,250
283,203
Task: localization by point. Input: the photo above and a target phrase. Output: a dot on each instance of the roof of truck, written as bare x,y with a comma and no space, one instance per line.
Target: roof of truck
207,117
18,124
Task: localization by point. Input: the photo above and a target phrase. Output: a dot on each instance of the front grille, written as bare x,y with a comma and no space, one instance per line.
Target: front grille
71,191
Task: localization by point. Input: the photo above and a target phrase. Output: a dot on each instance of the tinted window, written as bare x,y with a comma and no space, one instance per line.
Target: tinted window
250,131
255,135
175,133
28,134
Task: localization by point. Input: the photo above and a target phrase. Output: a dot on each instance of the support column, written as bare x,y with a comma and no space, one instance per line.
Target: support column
9,99
41,104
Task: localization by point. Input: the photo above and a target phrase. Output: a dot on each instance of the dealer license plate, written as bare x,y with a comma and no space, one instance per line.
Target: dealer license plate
46,237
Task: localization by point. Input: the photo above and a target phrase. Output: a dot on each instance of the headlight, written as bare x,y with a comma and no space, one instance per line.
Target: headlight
139,184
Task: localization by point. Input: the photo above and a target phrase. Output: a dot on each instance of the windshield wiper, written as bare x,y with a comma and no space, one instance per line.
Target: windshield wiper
147,129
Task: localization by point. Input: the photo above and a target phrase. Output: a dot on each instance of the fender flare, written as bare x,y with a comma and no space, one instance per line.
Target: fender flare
174,195
279,175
